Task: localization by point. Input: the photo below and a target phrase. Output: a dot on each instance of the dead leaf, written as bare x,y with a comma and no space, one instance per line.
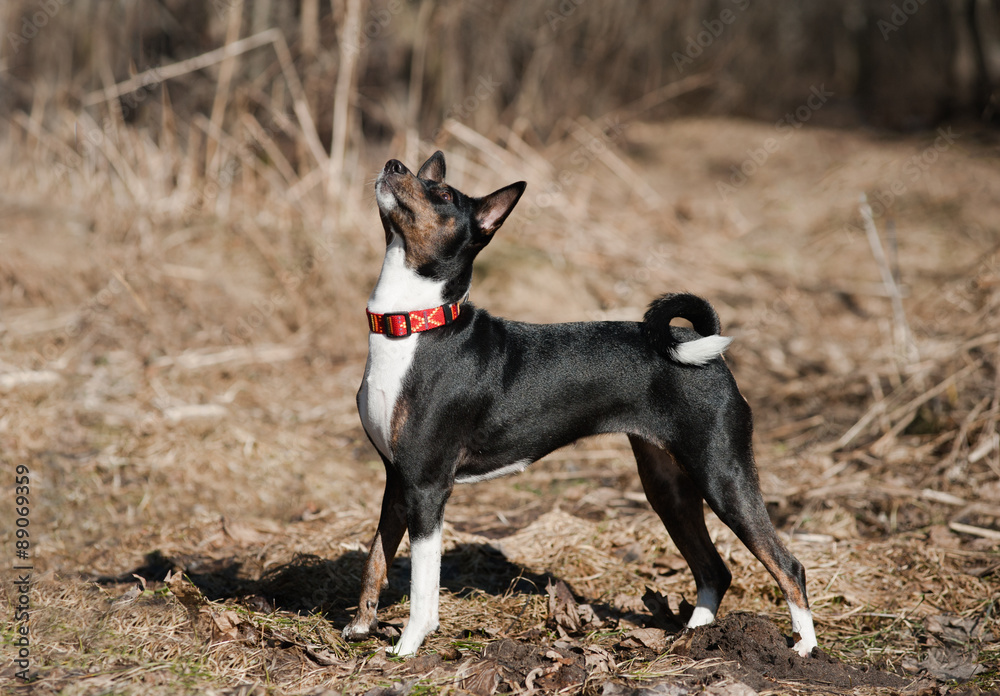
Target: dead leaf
185,591
449,652
482,678
529,681
597,660
628,603
588,617
322,656
653,638
957,629
557,658
562,607
568,616
948,665
226,625
682,645
562,677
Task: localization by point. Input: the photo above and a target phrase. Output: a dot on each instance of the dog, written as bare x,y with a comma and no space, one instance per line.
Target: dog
453,395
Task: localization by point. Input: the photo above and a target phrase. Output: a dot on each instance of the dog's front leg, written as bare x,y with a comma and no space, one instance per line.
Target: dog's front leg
425,516
391,525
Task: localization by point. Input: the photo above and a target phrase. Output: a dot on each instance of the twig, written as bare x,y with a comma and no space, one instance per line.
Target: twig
163,73
349,51
479,142
270,147
45,139
241,355
310,27
235,20
882,406
415,96
875,410
167,72
904,414
906,348
963,432
133,184
238,150
942,497
660,95
795,427
617,165
974,531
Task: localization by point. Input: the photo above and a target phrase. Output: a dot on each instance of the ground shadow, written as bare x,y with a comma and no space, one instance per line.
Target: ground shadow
311,584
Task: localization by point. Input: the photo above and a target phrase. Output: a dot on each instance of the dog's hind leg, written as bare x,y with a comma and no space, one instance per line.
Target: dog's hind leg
678,502
391,526
725,472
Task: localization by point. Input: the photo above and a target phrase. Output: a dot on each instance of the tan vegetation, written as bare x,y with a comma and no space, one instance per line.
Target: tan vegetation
182,279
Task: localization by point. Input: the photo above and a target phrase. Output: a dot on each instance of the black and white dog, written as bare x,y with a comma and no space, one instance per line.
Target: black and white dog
452,395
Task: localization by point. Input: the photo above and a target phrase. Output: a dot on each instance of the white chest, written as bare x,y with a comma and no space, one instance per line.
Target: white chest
389,361
399,289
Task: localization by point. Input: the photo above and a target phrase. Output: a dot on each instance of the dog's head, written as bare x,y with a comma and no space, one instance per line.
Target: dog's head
442,229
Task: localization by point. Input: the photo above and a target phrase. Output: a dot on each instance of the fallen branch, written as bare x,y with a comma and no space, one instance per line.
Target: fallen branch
272,36
242,355
974,531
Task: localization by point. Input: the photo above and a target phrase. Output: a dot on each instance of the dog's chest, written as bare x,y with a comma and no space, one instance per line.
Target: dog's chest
389,361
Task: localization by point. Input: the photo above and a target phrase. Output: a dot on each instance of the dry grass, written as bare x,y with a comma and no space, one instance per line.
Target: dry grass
181,347
267,498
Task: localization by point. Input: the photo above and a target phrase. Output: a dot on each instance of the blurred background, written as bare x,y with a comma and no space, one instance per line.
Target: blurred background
188,237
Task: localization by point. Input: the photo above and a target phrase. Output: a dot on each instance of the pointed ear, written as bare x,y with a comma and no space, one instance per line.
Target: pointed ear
493,209
433,168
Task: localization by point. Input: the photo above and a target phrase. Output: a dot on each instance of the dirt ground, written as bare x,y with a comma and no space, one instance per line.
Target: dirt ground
178,366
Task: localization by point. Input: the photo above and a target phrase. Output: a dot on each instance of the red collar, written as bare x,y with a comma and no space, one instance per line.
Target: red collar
399,324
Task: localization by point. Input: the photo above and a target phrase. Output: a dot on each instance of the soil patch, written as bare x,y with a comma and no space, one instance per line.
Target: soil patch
757,654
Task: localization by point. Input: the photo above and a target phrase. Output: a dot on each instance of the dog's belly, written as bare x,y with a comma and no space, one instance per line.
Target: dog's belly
389,361
473,474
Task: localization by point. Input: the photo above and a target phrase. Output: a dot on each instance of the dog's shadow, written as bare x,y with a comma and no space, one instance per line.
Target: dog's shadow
310,584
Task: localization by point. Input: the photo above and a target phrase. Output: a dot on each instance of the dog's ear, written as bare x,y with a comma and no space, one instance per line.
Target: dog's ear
493,209
433,168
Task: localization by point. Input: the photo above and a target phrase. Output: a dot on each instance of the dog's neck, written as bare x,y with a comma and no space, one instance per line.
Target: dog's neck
400,288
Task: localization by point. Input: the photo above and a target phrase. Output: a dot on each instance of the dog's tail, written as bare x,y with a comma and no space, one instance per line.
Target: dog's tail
656,327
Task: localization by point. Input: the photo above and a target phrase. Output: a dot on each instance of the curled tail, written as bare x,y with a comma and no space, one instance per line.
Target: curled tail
656,327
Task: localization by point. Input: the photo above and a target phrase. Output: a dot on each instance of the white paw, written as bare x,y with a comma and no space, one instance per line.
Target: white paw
701,617
411,640
355,633
804,647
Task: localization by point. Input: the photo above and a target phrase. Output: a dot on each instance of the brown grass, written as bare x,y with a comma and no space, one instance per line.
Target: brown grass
182,339
266,495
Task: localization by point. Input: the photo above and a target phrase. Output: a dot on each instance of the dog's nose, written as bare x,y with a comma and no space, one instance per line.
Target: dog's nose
394,166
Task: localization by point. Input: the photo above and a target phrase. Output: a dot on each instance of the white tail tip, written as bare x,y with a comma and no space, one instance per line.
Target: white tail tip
701,350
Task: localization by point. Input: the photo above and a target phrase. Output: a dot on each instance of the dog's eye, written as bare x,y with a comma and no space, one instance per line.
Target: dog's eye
445,195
